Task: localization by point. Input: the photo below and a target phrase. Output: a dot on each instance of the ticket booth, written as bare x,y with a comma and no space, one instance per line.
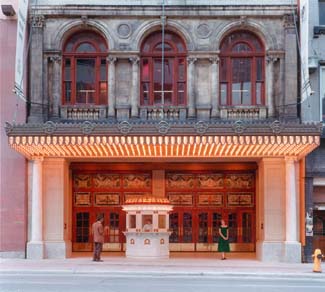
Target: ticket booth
147,224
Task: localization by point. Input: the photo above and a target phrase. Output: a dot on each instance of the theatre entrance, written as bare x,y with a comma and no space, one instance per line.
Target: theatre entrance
200,194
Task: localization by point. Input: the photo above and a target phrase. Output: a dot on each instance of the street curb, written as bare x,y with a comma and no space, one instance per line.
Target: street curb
144,274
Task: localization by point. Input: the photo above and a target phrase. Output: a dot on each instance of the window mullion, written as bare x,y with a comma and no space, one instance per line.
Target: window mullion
254,80
73,80
151,80
229,80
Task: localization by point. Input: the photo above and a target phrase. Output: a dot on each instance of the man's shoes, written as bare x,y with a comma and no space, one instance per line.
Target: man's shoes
99,260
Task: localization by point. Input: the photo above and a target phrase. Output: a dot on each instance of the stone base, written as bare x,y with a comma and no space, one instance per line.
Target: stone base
278,251
292,252
57,249
12,254
35,250
269,251
147,244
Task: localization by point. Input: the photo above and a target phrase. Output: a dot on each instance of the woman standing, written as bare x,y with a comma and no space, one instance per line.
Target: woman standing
223,242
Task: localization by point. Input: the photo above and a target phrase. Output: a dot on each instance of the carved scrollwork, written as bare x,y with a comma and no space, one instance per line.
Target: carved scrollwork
239,127
163,127
124,127
276,127
87,127
49,127
201,127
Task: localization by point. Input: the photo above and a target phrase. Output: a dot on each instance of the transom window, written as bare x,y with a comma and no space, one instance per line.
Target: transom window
242,70
85,69
163,75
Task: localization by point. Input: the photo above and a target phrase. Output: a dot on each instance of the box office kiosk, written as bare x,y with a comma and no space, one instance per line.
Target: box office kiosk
147,227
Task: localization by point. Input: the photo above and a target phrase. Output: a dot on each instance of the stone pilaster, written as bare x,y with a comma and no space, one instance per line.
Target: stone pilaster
35,246
191,86
291,69
135,86
56,85
111,86
215,87
292,248
57,242
271,59
37,104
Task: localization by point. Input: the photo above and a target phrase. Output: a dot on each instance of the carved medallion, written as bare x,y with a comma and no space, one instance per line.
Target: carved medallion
203,31
124,30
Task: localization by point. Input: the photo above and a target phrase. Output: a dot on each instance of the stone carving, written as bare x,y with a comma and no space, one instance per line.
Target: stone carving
38,20
214,60
203,31
49,127
84,19
239,127
8,128
55,59
201,127
124,127
191,60
124,30
87,127
276,127
163,127
111,60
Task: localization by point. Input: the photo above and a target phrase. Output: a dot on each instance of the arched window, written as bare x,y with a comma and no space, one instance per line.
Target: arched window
85,69
163,85
242,70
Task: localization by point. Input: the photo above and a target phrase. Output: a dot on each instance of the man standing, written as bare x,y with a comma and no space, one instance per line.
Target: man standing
98,233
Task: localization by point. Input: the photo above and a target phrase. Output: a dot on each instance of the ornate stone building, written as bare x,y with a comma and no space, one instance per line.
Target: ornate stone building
195,101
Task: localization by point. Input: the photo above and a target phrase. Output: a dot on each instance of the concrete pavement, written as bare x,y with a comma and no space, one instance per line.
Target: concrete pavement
179,264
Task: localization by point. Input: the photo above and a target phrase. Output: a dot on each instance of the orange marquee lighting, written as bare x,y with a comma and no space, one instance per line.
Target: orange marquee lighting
159,146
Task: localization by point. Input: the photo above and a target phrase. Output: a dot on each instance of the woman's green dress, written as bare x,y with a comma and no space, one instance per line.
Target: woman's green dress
223,245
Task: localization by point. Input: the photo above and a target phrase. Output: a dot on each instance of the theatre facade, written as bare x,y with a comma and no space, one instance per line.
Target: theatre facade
194,103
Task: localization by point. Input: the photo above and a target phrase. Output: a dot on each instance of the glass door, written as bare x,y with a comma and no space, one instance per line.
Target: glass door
207,222
114,225
181,227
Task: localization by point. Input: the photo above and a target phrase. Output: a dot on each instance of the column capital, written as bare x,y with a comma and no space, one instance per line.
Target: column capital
37,20
288,21
214,60
290,159
37,159
271,58
111,60
134,60
191,60
55,59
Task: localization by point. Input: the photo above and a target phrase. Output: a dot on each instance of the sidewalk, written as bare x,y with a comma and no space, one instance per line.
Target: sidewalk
179,264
